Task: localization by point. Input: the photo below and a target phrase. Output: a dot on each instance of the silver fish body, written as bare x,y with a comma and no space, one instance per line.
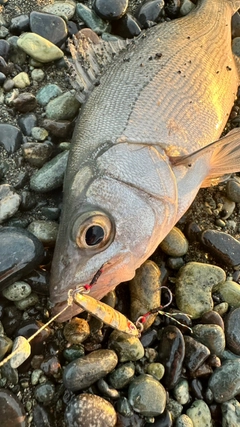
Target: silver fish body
169,95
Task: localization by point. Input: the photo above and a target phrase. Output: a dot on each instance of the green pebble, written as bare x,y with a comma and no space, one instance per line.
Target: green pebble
51,175
156,370
45,231
127,348
63,107
175,243
73,352
147,396
17,291
92,21
200,414
122,376
230,292
183,421
39,48
48,92
212,336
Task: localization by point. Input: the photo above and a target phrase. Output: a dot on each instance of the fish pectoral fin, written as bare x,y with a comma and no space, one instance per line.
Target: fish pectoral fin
222,158
90,56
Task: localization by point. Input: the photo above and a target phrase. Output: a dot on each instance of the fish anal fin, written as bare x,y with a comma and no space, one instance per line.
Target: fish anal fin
222,158
90,57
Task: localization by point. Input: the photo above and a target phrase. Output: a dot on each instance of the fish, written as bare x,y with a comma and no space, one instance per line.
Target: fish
146,139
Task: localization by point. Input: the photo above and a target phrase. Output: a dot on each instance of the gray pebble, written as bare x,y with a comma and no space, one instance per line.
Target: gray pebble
63,107
107,390
51,175
89,410
225,381
200,414
231,413
44,393
17,291
27,302
147,396
83,372
233,190
181,392
232,331
175,243
91,19
9,202
40,134
45,231
212,336
37,75
122,375
127,348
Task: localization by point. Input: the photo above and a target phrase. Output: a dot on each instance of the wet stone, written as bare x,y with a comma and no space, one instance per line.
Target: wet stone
147,396
175,243
212,317
45,231
83,372
122,375
123,407
11,319
76,331
27,122
157,370
175,408
51,175
12,410
229,292
225,381
181,392
19,24
107,390
231,413
233,190
127,348
110,9
232,331
10,138
194,287
149,13
63,107
37,154
126,27
223,247
9,202
210,335
51,27
17,291
39,48
37,75
195,353
171,354
91,20
27,302
163,420
45,392
90,411
145,292
25,102
2,79
200,414
48,92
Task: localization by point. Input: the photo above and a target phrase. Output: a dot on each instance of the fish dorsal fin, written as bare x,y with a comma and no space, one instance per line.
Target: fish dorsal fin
222,158
90,56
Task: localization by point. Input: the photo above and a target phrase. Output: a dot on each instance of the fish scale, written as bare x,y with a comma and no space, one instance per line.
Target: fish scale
166,95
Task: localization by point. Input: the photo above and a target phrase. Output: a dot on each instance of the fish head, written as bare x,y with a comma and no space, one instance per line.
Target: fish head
108,225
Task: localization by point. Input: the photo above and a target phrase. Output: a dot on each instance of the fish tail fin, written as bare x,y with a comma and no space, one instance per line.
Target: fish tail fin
222,156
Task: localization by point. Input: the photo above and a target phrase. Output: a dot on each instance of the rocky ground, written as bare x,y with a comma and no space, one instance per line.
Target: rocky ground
81,373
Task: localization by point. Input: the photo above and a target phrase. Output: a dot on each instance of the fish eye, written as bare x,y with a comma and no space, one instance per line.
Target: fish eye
93,230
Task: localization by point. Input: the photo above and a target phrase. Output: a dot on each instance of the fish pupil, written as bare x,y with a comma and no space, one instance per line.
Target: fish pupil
94,235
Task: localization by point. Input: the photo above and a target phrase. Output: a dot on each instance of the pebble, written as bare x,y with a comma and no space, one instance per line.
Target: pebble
37,75
171,354
51,175
48,92
37,154
223,247
194,287
212,317
147,396
10,137
225,381
76,331
145,292
122,375
41,417
229,292
45,231
175,243
24,350
150,13
196,353
183,421
19,24
128,348
172,8
45,392
12,410
175,409
212,336
73,352
40,134
126,27
49,26
186,7
9,202
200,414
27,302
181,392
64,8
111,9
4,49
21,80
5,346
231,413
26,122
123,407
221,308
25,102
63,107
39,48
60,128
157,370
17,291
91,20
90,411
83,372
232,331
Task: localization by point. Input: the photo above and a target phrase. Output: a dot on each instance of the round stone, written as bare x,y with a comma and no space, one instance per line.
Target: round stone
89,410
17,291
229,292
200,414
49,26
122,375
76,331
181,392
212,336
21,80
225,381
63,107
39,48
45,392
9,202
65,8
128,348
110,9
12,410
45,231
147,396
175,243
